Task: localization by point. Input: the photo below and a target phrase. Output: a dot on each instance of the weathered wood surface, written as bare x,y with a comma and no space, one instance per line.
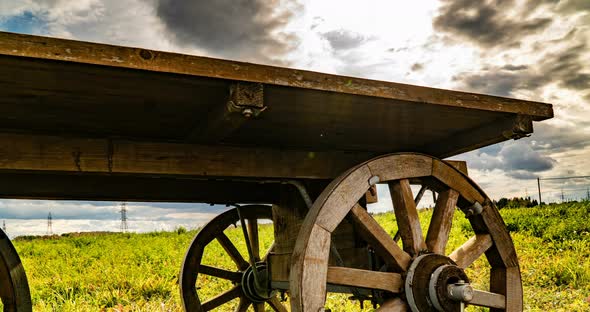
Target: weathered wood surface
80,155
441,222
387,281
407,218
341,198
143,59
471,250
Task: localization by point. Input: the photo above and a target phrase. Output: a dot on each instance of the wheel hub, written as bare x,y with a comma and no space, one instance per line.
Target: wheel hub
427,283
257,293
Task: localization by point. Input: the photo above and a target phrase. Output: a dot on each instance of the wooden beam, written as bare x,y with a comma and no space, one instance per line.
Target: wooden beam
245,101
142,59
513,127
60,186
81,155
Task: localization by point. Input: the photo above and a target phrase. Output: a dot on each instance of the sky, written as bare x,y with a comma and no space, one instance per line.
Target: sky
530,49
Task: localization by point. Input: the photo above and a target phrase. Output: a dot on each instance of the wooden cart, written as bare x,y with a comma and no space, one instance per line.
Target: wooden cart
91,121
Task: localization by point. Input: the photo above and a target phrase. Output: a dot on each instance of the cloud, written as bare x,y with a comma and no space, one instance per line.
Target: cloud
517,159
488,23
567,68
344,39
238,29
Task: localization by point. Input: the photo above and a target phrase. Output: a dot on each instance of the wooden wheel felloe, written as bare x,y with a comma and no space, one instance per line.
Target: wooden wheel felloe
420,276
241,284
14,288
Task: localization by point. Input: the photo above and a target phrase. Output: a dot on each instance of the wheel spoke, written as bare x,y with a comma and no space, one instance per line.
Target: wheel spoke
276,304
258,307
418,197
407,216
380,240
232,251
243,305
440,224
471,250
488,299
393,305
388,281
253,237
221,273
222,298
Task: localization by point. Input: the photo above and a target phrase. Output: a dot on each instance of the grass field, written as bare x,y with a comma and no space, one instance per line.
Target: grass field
138,272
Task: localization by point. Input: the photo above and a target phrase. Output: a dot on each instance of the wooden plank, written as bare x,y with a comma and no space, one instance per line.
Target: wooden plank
401,166
502,254
488,299
459,164
442,218
506,281
51,153
512,127
371,195
72,186
380,240
311,254
453,179
387,281
245,101
342,199
143,59
406,216
471,250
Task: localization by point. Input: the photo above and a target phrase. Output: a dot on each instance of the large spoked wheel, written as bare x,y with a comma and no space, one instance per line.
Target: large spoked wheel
205,270
14,288
420,275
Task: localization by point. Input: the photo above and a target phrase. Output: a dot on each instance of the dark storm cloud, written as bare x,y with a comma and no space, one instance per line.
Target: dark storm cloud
342,39
566,68
244,29
486,22
519,156
517,159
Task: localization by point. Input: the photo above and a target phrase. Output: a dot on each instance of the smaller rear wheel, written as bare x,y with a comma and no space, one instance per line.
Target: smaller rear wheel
14,288
205,272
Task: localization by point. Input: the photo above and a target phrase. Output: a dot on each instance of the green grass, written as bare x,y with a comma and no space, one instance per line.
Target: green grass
139,272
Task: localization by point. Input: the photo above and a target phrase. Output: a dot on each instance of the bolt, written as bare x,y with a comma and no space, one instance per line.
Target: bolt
461,291
247,112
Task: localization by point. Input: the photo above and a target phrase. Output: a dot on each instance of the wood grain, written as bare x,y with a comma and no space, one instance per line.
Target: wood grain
51,153
471,250
406,216
387,281
142,59
441,222
380,240
488,299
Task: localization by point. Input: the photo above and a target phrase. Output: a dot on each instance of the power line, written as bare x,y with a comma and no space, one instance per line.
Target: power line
123,212
49,224
563,178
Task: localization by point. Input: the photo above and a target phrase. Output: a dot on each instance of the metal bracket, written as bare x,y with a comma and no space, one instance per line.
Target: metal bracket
246,98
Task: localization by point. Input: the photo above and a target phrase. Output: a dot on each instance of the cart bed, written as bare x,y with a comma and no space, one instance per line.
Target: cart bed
71,106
